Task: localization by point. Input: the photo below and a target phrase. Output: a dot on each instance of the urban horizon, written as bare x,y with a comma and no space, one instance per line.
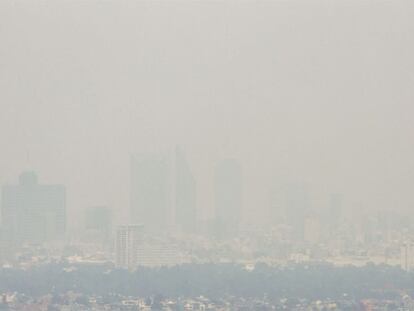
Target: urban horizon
206,155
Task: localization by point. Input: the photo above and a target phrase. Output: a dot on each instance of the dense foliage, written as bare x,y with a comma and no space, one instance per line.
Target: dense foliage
211,280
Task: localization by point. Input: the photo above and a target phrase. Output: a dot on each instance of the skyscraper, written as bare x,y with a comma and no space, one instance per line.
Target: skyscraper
289,204
150,192
163,192
98,223
334,212
185,194
296,207
312,229
228,197
33,212
127,242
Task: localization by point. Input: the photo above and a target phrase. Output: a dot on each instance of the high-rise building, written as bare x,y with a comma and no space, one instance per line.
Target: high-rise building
6,247
163,192
276,213
289,204
128,238
312,229
33,212
407,256
335,209
296,207
228,197
98,224
150,191
185,194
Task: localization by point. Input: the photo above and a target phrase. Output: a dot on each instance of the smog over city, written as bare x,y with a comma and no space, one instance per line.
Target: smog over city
207,155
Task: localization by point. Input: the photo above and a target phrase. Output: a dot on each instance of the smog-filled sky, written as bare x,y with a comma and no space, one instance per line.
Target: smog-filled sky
319,92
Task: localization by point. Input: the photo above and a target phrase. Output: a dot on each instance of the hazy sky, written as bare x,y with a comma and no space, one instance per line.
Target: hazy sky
313,91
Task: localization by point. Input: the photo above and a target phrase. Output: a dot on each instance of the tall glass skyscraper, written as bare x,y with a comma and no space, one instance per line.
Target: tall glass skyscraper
163,192
33,212
150,191
228,183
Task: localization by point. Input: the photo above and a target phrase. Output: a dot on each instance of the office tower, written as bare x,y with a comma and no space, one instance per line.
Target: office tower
335,210
407,256
228,197
385,224
33,212
296,207
312,229
185,194
98,224
289,204
150,192
128,238
163,192
276,212
5,246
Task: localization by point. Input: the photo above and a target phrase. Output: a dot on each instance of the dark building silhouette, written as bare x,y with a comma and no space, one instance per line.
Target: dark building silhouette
228,182
33,212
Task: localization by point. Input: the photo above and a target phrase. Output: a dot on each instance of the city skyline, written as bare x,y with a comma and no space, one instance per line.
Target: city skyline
317,102
169,187
206,155
33,212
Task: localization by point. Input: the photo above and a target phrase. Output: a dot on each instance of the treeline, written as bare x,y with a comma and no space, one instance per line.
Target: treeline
215,281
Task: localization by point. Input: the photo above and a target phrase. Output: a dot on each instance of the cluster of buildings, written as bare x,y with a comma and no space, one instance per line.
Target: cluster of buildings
162,202
32,213
164,228
163,195
72,301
